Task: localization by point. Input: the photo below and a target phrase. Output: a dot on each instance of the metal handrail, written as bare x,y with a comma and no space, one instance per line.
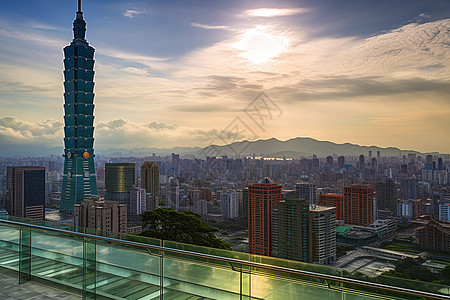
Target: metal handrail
239,261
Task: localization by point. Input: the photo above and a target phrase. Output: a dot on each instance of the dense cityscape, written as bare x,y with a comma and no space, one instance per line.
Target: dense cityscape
221,223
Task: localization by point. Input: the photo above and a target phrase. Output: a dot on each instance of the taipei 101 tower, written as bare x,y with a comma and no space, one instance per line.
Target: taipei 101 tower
79,172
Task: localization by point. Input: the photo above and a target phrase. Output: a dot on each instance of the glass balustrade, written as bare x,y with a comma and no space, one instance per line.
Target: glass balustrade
107,265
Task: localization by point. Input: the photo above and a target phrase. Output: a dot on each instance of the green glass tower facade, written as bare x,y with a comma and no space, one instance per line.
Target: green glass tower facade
79,173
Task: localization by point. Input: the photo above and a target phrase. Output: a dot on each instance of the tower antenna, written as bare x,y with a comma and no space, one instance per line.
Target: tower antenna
79,5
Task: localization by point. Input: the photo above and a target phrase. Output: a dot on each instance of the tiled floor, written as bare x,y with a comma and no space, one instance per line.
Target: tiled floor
11,289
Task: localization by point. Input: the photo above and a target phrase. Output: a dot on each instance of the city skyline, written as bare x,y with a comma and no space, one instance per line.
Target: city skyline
180,74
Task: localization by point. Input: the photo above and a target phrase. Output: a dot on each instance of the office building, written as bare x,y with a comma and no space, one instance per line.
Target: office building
25,188
323,234
444,212
79,179
334,200
101,214
341,162
291,238
362,163
263,197
245,203
138,199
329,161
229,207
306,191
358,205
173,194
408,187
119,179
434,235
150,182
386,195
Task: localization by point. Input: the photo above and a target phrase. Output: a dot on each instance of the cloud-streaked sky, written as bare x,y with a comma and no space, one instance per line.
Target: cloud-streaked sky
188,73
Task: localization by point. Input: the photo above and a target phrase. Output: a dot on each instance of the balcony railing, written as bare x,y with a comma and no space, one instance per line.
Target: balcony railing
105,265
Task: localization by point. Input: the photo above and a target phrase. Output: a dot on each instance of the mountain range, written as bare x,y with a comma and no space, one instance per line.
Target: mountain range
292,148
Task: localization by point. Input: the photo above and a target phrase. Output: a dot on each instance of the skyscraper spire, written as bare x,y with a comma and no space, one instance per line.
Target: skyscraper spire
79,25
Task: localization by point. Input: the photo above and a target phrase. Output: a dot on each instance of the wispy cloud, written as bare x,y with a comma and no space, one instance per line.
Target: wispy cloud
275,12
212,27
131,13
42,26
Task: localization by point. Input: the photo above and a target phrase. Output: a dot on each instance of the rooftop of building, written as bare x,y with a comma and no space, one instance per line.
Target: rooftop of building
266,180
320,208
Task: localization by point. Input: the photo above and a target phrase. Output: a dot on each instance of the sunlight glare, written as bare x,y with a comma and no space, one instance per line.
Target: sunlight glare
259,46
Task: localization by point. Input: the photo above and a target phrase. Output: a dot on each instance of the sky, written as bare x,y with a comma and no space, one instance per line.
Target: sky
200,72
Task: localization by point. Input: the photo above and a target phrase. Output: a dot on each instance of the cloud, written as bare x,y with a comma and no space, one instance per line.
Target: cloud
130,13
161,126
42,26
211,27
205,107
16,131
128,134
345,87
275,12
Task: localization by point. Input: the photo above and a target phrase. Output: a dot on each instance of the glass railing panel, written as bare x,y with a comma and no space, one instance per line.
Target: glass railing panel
57,259
9,247
127,271
182,276
264,287
393,282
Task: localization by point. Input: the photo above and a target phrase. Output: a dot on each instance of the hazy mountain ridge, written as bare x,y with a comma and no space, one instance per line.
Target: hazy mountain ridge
292,148
299,146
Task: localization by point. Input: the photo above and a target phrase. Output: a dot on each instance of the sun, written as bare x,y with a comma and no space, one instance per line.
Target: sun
259,45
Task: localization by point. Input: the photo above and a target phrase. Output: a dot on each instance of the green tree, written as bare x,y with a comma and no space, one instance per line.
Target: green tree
184,227
445,275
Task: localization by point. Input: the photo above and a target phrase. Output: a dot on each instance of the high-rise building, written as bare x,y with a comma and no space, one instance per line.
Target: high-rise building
323,234
408,187
245,203
101,214
386,195
434,235
329,161
440,164
306,191
362,163
334,200
79,173
119,179
263,197
173,194
229,204
341,162
150,182
291,238
358,205
26,192
138,197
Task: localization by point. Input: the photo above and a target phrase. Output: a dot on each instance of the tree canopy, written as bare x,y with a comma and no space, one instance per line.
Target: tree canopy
184,227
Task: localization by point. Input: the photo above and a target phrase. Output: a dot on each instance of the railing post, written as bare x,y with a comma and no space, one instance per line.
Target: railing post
25,255
161,276
89,268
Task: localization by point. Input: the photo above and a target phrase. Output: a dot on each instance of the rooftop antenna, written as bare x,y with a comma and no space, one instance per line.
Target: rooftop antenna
79,12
